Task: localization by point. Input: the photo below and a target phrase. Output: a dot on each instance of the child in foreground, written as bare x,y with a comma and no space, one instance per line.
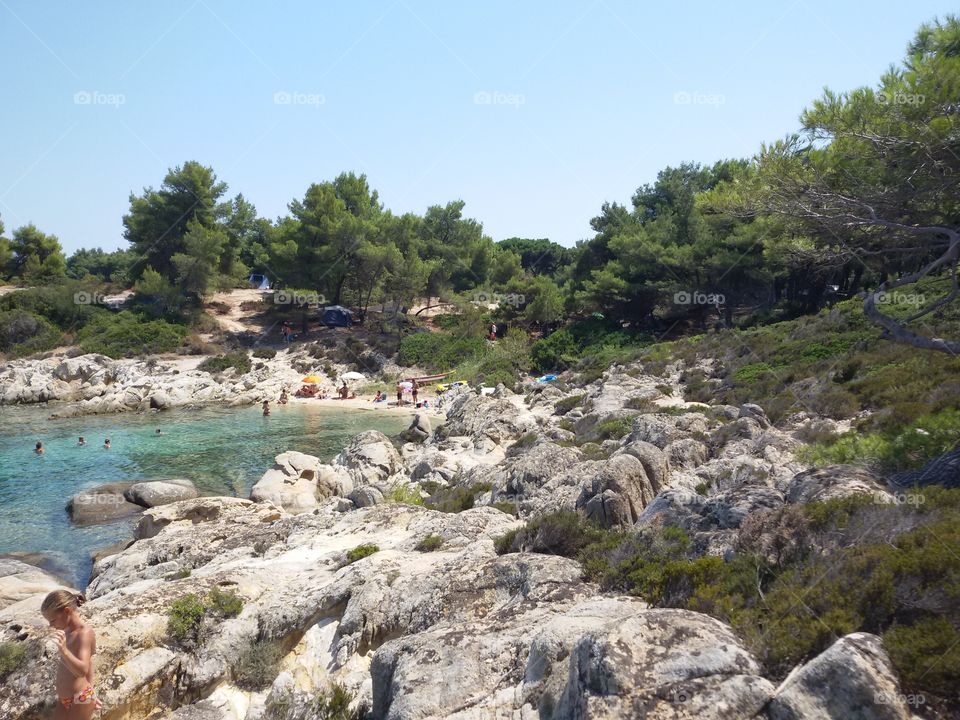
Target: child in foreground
76,643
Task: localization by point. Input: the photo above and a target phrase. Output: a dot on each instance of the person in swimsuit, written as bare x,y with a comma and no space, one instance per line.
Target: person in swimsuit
82,441
106,444
413,391
76,643
399,394
266,408
39,448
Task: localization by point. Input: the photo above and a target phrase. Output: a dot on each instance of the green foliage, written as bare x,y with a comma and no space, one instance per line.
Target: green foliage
563,533
565,405
258,665
239,361
360,552
927,654
404,494
264,353
456,498
334,704
126,335
613,429
224,603
23,333
429,543
185,616
37,258
556,351
12,655
105,267
437,351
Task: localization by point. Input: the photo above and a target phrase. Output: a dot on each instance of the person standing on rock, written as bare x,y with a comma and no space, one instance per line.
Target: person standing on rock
76,643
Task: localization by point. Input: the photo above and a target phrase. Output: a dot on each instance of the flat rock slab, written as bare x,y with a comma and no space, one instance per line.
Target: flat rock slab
160,492
102,504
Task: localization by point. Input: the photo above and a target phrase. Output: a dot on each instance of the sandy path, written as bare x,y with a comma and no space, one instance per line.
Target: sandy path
236,320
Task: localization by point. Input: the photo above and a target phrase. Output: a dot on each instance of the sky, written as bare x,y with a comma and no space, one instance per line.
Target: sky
533,113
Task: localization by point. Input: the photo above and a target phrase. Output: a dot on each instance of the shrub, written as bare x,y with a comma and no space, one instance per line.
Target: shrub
506,506
264,353
12,655
613,429
360,552
563,533
185,616
437,350
555,352
240,361
457,498
258,665
23,333
334,704
405,494
125,335
565,405
429,543
225,603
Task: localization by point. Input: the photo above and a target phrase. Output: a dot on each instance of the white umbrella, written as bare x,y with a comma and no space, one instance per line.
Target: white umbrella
406,384
352,375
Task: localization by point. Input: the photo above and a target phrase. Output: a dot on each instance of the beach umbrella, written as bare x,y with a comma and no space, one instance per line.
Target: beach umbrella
352,375
406,384
312,379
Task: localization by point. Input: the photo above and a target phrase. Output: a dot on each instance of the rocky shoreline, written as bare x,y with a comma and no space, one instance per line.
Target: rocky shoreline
346,580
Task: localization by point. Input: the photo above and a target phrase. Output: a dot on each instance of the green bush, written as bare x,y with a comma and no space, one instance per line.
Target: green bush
457,498
239,361
225,603
23,333
429,543
185,616
12,655
404,494
506,506
264,353
334,704
126,335
613,429
557,351
563,533
258,665
437,351
565,405
360,552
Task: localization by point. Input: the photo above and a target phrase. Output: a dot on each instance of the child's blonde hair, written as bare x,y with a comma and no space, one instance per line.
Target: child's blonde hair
60,599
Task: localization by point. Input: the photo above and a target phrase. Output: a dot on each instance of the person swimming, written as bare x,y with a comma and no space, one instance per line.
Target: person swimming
81,441
106,444
76,644
39,448
159,431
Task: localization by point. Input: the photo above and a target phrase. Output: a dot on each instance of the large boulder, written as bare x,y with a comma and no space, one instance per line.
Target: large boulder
850,680
370,459
832,482
160,492
102,504
617,493
419,429
297,482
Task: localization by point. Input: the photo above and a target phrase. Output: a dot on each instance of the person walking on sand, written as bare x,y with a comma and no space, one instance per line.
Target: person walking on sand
39,448
413,391
76,644
399,394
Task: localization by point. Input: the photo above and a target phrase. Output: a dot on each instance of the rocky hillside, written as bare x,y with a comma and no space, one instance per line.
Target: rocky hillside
504,564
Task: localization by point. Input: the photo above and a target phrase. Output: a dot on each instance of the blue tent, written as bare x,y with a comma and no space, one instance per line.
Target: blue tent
336,316
259,281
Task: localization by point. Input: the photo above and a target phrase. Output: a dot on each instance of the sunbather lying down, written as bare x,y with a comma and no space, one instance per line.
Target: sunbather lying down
307,391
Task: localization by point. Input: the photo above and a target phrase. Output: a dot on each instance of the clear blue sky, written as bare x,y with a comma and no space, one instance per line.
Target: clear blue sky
534,113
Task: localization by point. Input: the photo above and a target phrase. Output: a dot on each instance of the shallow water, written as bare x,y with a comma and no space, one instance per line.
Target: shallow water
223,451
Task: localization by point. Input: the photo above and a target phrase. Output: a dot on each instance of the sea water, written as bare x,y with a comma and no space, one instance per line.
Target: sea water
224,451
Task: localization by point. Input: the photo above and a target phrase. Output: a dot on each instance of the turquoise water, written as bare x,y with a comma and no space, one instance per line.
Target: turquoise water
223,451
